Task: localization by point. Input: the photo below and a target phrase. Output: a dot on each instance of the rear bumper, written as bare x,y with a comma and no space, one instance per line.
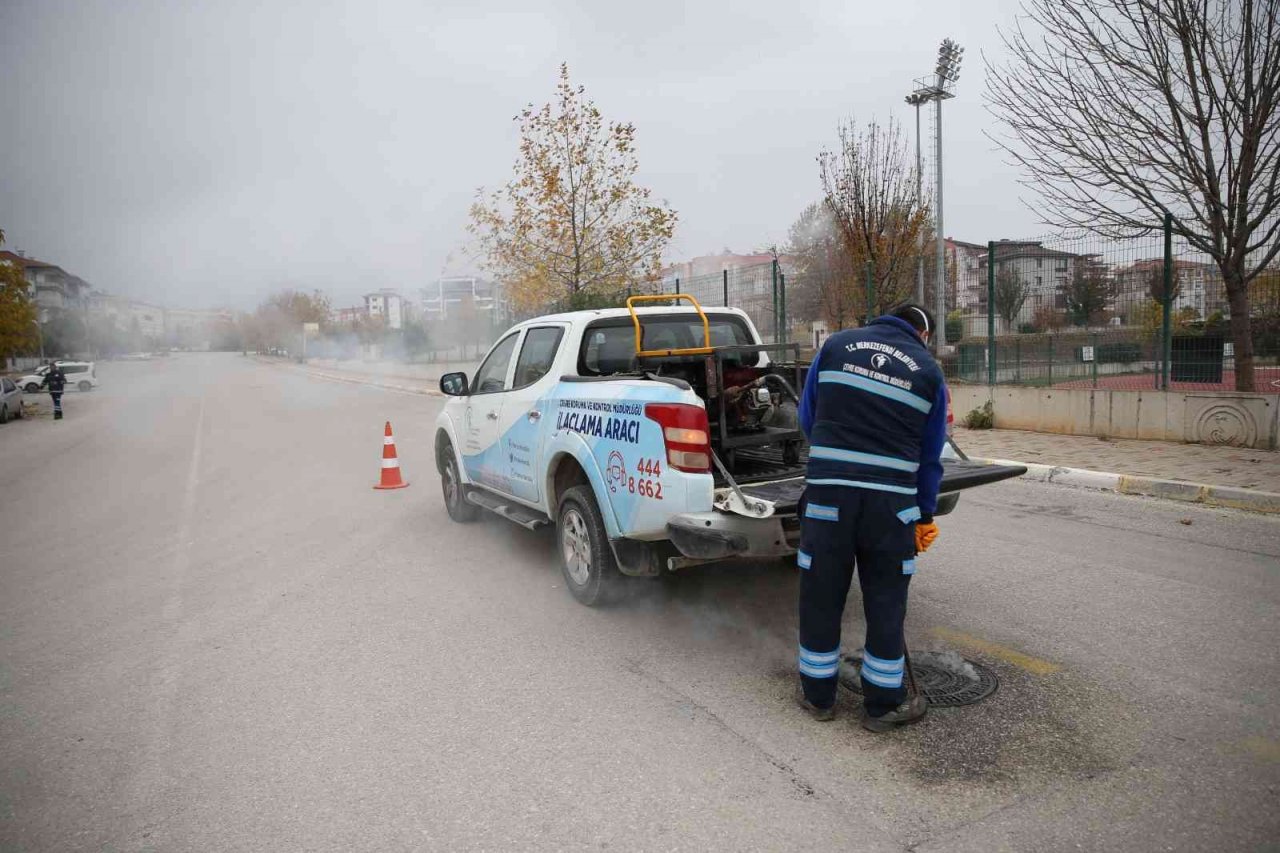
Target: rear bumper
717,535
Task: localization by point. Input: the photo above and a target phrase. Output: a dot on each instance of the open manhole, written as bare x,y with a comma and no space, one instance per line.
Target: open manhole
946,679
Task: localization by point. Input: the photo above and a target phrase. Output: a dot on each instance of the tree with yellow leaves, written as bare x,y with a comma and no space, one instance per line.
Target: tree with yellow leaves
572,226
18,331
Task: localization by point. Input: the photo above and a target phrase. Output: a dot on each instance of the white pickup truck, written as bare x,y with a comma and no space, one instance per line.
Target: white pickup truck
653,438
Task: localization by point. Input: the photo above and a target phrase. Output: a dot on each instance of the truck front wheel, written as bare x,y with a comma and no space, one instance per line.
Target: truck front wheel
586,560
455,496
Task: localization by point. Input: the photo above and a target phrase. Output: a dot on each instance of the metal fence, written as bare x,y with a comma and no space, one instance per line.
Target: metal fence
1062,311
1085,312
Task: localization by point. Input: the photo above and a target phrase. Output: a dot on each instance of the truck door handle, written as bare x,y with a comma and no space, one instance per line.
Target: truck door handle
493,416
535,415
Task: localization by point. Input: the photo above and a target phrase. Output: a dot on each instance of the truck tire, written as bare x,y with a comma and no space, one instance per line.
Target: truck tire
586,560
84,385
454,492
31,388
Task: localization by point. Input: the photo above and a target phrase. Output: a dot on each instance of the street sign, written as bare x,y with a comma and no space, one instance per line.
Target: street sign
310,327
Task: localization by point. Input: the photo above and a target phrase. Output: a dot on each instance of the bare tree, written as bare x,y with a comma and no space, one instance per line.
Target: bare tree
870,191
1119,111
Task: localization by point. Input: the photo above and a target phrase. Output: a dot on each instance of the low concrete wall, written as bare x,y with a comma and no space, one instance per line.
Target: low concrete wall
1242,420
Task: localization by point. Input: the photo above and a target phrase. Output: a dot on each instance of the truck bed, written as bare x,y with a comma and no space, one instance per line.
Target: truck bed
761,474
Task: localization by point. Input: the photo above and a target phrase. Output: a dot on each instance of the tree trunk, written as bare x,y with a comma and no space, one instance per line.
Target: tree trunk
1241,333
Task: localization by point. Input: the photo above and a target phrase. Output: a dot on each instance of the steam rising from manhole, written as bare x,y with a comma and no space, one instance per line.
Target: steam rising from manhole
946,679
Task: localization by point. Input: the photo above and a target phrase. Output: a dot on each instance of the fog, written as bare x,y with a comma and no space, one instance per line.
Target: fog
203,155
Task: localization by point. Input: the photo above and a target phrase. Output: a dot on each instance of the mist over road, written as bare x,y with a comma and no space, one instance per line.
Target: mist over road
214,635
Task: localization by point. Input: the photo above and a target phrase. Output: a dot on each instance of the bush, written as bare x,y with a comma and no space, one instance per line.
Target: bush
984,418
1266,336
1027,328
955,327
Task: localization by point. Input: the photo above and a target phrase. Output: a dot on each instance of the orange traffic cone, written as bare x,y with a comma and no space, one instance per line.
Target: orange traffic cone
390,464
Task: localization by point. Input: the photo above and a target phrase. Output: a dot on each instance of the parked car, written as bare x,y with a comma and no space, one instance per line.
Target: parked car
10,400
81,375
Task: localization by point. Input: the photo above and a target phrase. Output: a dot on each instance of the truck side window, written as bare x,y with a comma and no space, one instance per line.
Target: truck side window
492,375
537,355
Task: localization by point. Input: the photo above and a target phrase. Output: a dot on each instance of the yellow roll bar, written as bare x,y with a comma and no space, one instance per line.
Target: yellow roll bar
641,352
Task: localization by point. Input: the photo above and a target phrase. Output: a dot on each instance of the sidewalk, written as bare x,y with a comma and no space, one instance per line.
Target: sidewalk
1199,473
1165,460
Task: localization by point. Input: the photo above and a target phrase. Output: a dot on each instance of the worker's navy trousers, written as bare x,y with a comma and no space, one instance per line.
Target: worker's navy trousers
843,527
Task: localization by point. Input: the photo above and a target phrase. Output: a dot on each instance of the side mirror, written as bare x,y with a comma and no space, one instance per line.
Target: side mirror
454,384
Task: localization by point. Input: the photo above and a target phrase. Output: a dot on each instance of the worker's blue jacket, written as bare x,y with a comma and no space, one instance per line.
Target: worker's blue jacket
875,411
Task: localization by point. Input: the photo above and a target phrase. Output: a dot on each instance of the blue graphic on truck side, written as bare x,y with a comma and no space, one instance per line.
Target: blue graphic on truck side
627,463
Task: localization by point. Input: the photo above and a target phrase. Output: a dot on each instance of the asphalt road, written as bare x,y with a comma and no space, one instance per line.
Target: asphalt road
214,635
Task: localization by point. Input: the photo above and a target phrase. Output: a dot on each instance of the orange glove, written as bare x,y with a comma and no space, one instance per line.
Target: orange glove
925,534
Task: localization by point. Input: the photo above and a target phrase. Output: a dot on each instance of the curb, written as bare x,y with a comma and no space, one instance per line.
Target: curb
1232,497
356,380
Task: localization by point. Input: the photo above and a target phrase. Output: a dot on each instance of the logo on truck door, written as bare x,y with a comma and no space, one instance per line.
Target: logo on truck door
616,472
600,419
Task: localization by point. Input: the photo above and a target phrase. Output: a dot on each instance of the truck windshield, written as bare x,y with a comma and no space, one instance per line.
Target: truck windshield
609,346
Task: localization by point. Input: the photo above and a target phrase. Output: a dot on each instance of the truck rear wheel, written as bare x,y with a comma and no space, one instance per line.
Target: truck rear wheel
451,487
586,560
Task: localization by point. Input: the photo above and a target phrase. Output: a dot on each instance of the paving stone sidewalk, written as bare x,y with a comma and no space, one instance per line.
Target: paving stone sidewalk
1166,460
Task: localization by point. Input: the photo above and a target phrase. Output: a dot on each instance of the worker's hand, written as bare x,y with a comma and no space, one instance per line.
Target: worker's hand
925,534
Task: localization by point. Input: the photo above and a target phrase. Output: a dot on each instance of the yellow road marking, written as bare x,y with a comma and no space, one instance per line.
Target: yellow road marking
1033,665
1263,748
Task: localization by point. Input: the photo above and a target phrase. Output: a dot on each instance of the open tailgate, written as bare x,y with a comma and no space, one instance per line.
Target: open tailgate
957,474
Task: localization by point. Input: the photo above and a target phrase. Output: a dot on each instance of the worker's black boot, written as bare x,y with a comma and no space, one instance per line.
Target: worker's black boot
57,416
908,712
822,715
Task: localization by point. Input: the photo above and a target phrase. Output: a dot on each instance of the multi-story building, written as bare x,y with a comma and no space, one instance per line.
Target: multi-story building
128,315
347,316
51,287
1197,286
193,328
1045,272
966,262
386,304
750,274
446,295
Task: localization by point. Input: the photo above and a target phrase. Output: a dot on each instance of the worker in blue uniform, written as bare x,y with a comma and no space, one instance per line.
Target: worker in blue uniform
875,410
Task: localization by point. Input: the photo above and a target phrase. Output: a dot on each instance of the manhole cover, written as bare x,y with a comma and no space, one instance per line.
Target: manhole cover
945,678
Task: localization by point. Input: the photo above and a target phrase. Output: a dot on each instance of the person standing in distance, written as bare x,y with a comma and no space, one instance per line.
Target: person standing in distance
56,381
875,410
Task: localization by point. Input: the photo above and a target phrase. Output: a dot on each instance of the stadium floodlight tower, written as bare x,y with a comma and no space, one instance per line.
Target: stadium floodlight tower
916,100
938,88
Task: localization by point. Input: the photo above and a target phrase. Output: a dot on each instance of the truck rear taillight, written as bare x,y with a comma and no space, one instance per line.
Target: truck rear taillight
685,433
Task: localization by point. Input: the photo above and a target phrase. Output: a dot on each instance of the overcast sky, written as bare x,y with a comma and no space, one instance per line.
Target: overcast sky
205,154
